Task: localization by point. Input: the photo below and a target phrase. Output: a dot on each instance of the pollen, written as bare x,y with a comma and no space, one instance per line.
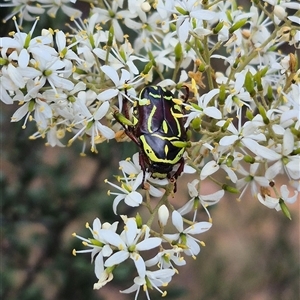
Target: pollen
74,252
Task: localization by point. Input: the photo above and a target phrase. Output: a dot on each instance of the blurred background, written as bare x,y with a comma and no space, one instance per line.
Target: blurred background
251,253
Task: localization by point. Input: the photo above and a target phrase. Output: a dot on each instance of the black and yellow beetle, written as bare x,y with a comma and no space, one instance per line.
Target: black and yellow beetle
158,130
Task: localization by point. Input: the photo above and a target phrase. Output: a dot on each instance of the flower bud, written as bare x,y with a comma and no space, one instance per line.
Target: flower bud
280,12
257,78
201,67
147,68
199,45
163,215
3,61
226,124
296,151
139,220
230,189
236,62
172,27
146,7
249,114
222,94
178,52
229,160
263,113
249,83
285,209
181,10
79,71
218,27
31,105
122,119
237,25
270,96
110,36
229,17
249,159
196,123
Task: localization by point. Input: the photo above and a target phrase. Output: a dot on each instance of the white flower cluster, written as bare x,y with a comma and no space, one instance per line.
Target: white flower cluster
243,106
109,249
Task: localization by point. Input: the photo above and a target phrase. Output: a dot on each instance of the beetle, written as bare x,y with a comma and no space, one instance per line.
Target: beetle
158,130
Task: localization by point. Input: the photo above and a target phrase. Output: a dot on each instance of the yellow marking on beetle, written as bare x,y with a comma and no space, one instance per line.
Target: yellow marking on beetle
144,101
177,101
176,115
150,119
166,149
165,126
154,95
165,138
152,156
178,107
180,144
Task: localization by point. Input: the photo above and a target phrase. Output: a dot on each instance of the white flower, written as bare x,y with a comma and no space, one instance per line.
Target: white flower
148,34
163,215
150,280
191,10
184,236
129,244
128,192
111,13
132,168
55,5
97,243
205,200
274,202
24,46
122,85
22,9
166,258
291,110
251,179
203,108
6,85
219,162
123,57
41,109
65,52
285,162
98,249
102,274
89,122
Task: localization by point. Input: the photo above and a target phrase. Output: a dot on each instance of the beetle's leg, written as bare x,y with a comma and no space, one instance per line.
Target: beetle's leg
173,178
142,160
125,109
187,92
